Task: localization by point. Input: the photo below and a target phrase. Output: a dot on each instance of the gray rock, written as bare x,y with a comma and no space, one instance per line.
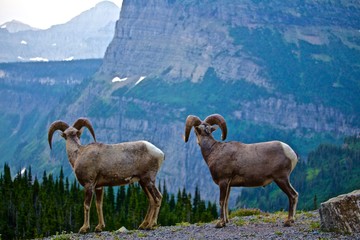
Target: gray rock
341,213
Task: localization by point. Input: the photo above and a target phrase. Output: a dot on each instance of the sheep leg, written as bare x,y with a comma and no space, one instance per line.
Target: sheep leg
286,187
224,187
155,198
99,193
87,204
156,195
145,223
227,203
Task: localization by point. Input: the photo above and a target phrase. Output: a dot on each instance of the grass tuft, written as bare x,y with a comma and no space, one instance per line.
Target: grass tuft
243,212
183,224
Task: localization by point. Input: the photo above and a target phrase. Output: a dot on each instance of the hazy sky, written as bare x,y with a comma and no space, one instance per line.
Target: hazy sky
44,13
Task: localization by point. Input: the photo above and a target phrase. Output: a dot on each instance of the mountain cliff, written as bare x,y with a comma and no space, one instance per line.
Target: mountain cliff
85,36
274,70
181,40
285,50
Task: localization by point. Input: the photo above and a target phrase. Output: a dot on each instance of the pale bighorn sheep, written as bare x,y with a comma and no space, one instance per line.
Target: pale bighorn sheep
235,164
97,165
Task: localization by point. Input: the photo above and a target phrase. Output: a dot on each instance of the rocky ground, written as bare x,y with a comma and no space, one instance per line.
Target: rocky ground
258,226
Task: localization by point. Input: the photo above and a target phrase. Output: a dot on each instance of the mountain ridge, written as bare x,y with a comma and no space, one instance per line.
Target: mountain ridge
14,26
84,36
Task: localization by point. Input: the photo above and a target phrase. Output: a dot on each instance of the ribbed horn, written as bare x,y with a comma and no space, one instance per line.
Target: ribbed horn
57,125
191,121
84,122
220,121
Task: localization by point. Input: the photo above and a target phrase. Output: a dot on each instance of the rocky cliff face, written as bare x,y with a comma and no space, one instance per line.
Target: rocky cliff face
178,41
285,113
181,40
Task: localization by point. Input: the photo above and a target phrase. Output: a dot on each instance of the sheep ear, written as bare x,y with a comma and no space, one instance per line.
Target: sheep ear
79,132
196,128
213,128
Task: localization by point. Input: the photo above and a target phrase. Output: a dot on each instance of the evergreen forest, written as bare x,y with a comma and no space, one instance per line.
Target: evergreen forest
33,208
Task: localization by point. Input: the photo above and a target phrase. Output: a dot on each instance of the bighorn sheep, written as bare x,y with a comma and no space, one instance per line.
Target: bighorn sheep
235,164
97,165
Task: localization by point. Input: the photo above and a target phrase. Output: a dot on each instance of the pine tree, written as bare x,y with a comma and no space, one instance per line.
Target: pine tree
9,212
36,206
109,208
120,207
196,206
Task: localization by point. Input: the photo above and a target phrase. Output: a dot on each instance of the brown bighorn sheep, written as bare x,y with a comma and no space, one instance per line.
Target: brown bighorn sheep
97,165
235,164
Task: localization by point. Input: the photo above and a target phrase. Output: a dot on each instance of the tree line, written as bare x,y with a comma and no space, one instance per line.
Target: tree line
30,208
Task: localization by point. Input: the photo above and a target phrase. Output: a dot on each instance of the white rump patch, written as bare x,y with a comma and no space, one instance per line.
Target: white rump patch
290,154
156,151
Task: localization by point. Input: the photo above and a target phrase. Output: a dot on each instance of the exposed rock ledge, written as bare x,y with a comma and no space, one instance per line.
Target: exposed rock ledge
341,213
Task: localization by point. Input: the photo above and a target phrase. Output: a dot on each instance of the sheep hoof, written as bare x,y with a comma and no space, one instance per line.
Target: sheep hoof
99,228
289,223
220,224
145,226
83,229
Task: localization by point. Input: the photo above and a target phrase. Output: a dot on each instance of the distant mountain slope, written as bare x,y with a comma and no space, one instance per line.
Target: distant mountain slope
16,26
85,36
31,95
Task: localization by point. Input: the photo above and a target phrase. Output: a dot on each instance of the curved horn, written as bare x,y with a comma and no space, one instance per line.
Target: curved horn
220,121
57,125
84,122
191,121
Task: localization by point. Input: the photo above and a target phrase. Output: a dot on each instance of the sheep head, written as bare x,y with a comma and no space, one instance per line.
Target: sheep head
206,127
68,131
